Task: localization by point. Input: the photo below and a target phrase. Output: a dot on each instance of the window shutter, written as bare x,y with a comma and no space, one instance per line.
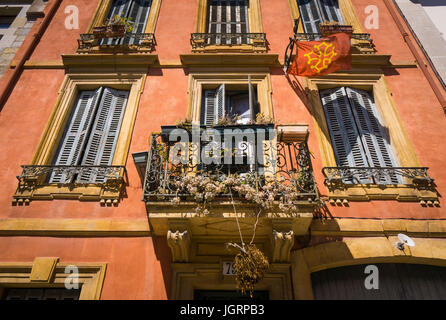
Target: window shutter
209,108
310,15
105,132
330,11
226,17
139,12
345,138
220,102
76,133
374,136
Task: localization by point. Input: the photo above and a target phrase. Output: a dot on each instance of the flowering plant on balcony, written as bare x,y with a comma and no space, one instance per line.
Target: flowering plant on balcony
260,190
116,26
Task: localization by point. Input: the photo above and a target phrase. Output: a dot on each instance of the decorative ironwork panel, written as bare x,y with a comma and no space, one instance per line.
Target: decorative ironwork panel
350,175
129,41
201,40
34,175
275,163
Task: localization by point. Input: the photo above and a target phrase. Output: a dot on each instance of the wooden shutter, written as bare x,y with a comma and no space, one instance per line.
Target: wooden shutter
76,133
105,132
330,10
227,17
214,105
373,134
209,108
220,102
314,12
310,15
139,12
345,138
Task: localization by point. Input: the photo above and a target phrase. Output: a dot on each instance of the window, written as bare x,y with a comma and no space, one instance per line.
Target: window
227,18
234,104
314,12
41,294
229,26
6,21
358,136
91,134
137,11
7,16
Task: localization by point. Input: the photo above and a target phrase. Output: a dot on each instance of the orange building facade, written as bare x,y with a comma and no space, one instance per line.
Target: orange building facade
112,215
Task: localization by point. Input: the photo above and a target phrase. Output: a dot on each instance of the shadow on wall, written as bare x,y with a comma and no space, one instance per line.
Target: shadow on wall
164,256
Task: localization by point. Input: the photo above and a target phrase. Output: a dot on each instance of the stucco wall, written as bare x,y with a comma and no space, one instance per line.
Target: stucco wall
134,269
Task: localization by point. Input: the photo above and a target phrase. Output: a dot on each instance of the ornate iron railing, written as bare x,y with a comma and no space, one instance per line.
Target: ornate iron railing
129,41
201,40
287,163
35,175
315,36
354,175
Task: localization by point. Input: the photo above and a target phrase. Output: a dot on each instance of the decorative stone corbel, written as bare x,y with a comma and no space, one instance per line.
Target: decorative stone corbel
179,243
282,244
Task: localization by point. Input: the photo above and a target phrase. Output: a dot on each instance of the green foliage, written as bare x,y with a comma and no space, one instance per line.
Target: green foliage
120,20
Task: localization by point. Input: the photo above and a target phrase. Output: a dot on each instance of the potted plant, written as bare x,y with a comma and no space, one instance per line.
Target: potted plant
327,28
118,25
100,32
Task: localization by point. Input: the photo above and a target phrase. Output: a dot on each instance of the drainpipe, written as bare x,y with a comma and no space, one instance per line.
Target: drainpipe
14,77
438,93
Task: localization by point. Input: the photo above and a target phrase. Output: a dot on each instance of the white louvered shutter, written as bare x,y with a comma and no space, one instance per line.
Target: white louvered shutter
314,12
330,10
310,15
139,12
209,108
105,132
220,102
373,134
345,137
76,133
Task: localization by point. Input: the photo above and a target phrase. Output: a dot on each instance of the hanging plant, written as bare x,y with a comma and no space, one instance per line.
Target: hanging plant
250,266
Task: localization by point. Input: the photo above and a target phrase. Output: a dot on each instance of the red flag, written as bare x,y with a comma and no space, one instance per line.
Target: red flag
324,56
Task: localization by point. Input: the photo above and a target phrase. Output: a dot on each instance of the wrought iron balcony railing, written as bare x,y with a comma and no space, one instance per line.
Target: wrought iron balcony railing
381,176
128,42
315,36
40,175
202,40
287,163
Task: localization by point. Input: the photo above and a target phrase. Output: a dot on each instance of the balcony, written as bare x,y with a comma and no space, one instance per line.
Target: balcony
375,175
244,42
103,183
367,183
129,42
272,173
362,43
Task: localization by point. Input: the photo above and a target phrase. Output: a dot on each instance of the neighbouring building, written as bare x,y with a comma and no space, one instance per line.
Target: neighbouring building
107,131
16,20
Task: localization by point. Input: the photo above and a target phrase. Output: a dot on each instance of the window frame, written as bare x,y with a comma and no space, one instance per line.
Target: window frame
346,7
103,9
200,81
23,275
52,135
254,26
401,145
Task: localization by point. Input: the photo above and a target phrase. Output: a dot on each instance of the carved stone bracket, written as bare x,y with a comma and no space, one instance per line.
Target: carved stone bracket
179,243
282,244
